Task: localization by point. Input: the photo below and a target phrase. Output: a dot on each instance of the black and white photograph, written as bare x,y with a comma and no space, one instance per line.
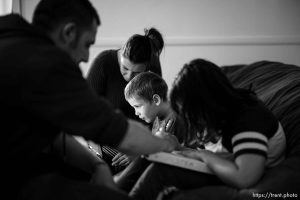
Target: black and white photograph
150,100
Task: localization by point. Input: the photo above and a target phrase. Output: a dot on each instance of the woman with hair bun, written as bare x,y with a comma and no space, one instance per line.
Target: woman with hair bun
113,69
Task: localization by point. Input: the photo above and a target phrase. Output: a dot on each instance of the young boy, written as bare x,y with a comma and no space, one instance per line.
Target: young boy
147,94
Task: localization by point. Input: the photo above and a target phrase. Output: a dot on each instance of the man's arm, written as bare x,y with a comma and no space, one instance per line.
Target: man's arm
75,153
79,156
77,110
139,140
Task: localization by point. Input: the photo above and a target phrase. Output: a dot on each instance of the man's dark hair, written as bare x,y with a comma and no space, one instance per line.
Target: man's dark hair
50,13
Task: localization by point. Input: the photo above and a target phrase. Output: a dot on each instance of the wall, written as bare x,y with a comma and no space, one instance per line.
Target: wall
225,32
5,7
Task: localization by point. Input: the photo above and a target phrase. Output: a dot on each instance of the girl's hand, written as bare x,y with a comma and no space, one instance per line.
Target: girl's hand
195,154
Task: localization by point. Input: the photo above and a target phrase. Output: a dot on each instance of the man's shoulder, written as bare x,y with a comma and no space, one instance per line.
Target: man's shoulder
33,53
50,56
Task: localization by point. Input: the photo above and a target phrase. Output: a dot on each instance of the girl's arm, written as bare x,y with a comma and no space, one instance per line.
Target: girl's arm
244,171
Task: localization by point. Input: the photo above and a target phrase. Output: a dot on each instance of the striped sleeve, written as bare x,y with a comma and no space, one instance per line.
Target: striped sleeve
250,143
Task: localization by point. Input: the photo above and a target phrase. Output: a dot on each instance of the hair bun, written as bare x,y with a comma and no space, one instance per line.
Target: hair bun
156,39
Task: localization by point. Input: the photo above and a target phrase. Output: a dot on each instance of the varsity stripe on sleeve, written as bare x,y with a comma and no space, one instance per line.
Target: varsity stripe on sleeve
250,143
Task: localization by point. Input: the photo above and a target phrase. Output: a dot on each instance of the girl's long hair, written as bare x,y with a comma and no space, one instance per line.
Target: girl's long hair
203,96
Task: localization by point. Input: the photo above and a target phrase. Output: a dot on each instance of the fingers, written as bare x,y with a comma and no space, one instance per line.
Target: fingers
169,125
120,160
167,193
124,162
117,157
192,153
186,152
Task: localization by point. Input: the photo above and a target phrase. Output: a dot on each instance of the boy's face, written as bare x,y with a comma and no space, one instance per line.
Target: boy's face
146,110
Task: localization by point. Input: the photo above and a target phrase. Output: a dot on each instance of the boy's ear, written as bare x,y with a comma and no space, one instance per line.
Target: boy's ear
156,99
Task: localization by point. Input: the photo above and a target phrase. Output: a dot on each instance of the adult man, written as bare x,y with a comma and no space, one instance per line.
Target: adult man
44,93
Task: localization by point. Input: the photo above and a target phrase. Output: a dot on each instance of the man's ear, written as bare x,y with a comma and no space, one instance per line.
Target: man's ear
69,33
156,99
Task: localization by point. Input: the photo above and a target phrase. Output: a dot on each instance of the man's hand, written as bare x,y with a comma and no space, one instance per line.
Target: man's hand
121,160
139,140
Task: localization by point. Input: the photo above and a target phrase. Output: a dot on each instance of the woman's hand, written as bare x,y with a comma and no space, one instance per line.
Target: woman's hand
122,159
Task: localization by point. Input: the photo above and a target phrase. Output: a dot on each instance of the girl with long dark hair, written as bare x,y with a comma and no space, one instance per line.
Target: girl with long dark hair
216,112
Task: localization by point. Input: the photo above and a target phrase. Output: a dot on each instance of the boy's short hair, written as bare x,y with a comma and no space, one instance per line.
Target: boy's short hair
145,85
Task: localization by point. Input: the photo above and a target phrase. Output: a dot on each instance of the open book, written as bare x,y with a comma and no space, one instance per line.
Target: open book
179,161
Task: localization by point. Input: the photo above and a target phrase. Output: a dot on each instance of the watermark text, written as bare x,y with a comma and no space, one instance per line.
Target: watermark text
271,195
